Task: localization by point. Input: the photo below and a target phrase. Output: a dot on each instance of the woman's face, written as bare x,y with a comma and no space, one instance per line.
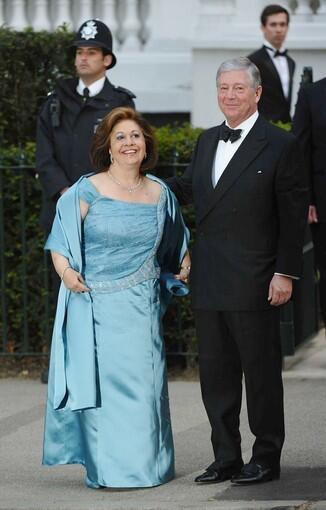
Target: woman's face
127,143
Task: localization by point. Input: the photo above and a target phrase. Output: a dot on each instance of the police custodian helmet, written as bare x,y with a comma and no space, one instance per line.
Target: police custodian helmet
95,33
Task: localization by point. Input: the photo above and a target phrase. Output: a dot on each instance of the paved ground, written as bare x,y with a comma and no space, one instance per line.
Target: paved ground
26,485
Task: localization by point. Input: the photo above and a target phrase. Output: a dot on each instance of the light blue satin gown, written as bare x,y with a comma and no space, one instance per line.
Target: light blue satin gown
127,440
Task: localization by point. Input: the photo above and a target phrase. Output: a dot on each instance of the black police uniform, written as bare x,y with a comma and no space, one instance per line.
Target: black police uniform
66,125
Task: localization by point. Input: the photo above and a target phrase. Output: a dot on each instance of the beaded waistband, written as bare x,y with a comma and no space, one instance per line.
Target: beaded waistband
147,271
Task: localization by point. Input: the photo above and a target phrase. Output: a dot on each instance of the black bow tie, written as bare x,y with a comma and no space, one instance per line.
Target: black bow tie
277,53
280,53
227,133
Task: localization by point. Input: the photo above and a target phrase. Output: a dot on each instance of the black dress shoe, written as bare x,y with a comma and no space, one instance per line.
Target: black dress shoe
217,475
255,473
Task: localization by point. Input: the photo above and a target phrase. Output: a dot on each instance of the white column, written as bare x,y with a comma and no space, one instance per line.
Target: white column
18,17
287,5
321,12
85,12
2,19
149,24
41,15
108,16
303,11
63,14
145,27
131,27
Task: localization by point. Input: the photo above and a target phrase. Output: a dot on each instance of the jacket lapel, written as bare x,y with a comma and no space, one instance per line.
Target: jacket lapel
270,64
253,144
208,159
291,66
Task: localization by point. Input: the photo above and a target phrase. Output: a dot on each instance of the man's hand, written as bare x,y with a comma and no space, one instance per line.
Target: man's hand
312,214
280,290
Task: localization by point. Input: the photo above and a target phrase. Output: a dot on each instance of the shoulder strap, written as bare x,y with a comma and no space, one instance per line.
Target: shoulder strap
125,91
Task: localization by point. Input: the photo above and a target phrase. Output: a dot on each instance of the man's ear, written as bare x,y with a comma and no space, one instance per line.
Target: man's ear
107,60
259,90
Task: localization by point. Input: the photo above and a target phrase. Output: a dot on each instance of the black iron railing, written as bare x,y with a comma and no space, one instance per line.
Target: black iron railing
25,320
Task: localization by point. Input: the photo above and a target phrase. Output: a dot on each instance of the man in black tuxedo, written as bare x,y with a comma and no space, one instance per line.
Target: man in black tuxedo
250,196
275,66
309,125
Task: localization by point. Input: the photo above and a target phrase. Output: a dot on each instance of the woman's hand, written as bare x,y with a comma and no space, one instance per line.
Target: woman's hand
183,275
74,281
185,267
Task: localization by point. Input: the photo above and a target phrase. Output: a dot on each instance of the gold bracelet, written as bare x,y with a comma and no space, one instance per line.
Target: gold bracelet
65,269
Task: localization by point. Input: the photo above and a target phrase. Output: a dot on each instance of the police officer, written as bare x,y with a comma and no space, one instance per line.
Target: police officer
71,113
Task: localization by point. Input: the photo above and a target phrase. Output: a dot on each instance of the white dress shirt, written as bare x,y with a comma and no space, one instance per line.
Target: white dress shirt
226,150
282,67
94,89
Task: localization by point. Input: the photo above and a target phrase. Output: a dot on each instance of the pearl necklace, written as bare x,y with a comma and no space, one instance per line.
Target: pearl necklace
130,189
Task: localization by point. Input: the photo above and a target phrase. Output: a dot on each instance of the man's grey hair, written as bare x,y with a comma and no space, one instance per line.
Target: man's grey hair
240,64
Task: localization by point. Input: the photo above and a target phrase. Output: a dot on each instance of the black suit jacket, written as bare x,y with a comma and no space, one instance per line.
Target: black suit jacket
252,224
309,125
273,104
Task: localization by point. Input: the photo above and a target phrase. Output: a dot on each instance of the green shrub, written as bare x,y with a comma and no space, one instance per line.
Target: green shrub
23,255
176,142
30,64
287,126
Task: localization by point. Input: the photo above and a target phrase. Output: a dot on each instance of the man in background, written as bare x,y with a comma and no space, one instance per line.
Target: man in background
275,66
309,125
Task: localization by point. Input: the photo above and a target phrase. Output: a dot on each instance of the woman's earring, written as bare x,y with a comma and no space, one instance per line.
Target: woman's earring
145,155
111,158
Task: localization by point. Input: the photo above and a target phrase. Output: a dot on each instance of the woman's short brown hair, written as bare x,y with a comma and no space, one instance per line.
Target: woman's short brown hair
100,147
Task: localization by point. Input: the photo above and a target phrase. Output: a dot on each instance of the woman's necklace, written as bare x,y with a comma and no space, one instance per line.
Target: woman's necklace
130,189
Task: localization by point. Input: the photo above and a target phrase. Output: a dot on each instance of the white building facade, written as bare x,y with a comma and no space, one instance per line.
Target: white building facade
168,51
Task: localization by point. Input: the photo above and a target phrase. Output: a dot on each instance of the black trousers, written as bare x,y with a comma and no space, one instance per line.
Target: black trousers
232,344
318,232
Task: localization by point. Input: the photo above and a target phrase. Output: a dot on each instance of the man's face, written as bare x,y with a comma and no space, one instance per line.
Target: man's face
276,29
91,63
237,98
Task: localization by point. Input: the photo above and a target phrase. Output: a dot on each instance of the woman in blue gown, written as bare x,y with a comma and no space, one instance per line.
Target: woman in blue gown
114,234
